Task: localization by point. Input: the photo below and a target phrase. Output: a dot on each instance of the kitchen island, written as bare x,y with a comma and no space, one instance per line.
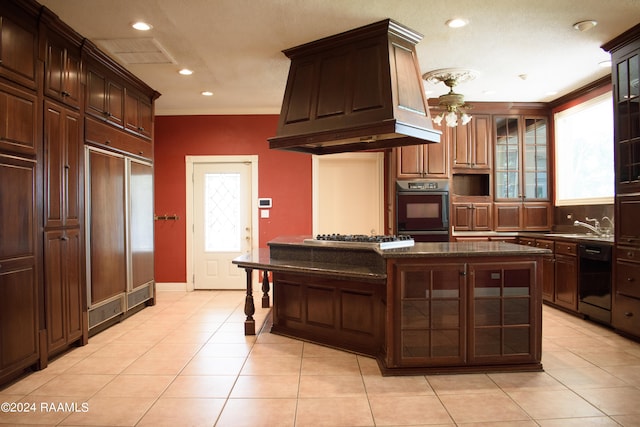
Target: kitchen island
427,308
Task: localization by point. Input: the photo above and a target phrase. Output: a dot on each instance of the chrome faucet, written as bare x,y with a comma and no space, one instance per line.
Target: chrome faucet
595,228
608,231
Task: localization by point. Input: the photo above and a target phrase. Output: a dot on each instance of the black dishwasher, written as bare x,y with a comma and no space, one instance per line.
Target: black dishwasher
595,281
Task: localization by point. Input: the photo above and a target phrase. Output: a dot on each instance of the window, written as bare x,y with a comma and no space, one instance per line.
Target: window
584,153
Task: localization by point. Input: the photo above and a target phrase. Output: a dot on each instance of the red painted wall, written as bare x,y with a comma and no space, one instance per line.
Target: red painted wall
283,176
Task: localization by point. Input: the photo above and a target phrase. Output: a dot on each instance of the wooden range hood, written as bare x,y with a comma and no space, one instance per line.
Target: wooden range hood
358,90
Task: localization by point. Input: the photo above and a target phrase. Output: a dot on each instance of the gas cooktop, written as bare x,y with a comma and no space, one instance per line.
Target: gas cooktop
380,241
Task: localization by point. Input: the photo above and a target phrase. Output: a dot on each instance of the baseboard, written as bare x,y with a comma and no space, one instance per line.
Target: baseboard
168,286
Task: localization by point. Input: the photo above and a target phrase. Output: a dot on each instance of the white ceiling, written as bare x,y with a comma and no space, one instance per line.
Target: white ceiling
234,46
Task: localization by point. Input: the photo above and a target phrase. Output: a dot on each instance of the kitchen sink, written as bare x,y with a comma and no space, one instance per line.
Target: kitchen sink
584,236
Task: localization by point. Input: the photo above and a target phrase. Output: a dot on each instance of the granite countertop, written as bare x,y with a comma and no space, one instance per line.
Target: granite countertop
261,259
554,235
420,249
364,261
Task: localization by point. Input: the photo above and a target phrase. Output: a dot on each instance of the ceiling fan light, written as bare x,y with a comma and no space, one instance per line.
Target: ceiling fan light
465,118
438,119
451,119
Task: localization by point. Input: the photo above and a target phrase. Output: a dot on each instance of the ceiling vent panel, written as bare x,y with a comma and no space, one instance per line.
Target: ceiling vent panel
137,50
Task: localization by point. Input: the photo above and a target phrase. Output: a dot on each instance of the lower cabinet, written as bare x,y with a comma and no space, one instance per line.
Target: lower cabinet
64,294
20,321
625,312
566,276
466,314
472,216
341,313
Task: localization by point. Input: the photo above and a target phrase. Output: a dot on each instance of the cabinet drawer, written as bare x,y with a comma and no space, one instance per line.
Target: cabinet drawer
628,279
566,248
626,314
108,137
545,244
628,254
526,241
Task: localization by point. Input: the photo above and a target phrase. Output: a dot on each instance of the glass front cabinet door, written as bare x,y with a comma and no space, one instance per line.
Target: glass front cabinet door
521,173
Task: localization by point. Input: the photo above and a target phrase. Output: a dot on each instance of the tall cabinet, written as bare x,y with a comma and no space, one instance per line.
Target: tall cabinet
625,55
51,110
21,309
521,173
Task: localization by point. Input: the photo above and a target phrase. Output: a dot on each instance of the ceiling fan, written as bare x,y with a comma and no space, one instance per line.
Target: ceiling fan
451,103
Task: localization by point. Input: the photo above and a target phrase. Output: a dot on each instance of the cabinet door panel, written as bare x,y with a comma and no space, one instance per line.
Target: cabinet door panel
106,225
141,223
18,47
63,166
567,282
18,315
18,120
17,207
55,293
75,285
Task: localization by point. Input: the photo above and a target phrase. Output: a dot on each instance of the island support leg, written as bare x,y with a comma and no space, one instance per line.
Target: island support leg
265,289
249,307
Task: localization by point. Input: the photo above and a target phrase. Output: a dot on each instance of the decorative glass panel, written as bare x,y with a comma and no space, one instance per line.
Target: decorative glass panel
445,343
516,340
222,212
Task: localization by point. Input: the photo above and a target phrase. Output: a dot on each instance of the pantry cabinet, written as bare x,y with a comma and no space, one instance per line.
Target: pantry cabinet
43,207
521,174
625,56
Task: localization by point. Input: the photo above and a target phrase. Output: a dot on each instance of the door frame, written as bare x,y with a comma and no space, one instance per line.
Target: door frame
190,161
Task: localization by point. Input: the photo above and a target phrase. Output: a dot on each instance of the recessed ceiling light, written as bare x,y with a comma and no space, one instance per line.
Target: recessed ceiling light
207,93
141,26
185,72
456,23
585,25
605,64
552,92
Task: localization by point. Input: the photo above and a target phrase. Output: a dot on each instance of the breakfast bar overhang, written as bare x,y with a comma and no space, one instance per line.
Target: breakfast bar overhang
428,308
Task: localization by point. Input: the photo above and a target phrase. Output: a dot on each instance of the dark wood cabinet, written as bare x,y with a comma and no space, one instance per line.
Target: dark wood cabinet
19,265
63,166
63,72
625,58
138,116
424,160
431,302
521,173
566,276
64,289
475,313
471,145
473,216
19,120
505,306
105,97
19,43
43,252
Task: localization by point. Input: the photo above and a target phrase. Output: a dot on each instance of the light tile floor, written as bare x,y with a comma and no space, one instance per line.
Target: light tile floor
186,362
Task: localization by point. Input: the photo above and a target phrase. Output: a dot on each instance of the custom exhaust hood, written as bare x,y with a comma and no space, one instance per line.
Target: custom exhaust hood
354,91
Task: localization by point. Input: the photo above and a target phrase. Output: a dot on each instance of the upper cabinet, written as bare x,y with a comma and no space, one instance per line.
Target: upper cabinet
626,74
105,97
521,173
19,44
138,114
63,72
424,160
471,145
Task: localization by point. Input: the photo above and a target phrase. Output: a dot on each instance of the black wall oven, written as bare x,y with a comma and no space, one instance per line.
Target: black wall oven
422,210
